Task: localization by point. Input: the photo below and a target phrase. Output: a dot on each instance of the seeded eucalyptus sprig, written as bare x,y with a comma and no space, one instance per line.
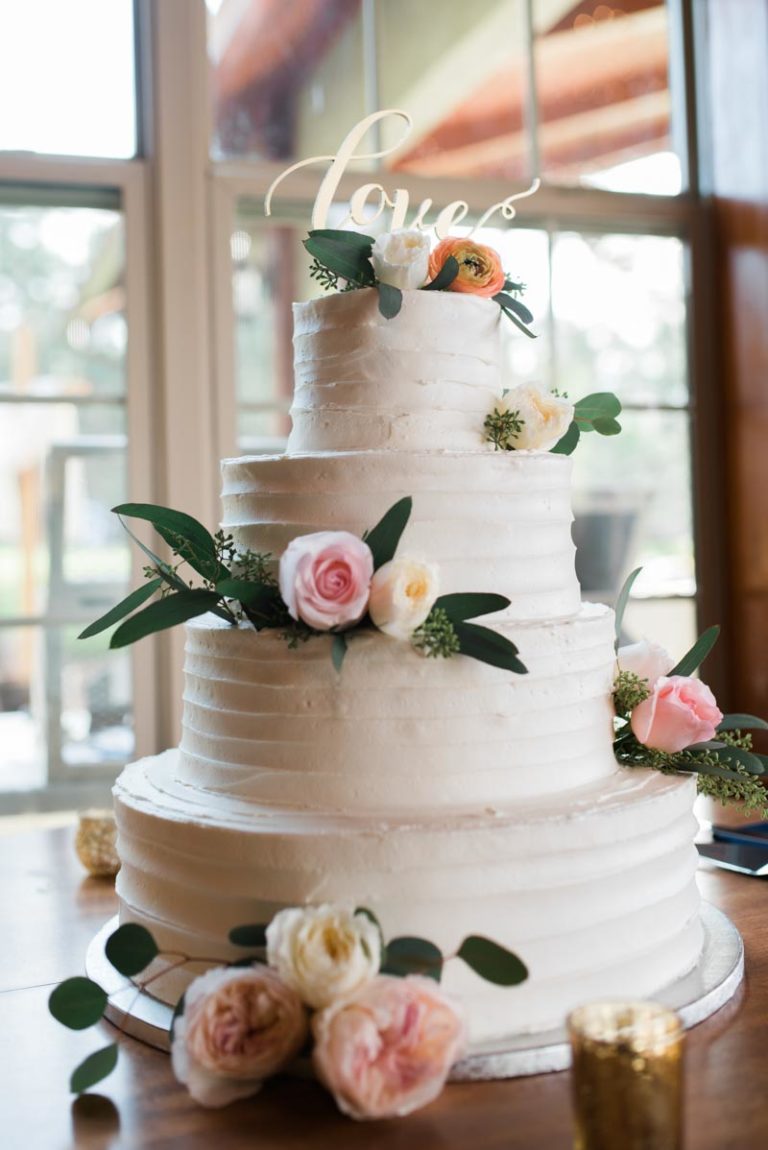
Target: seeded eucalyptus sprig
436,638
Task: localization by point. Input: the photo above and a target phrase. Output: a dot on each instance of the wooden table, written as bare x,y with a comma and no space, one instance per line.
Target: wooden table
50,911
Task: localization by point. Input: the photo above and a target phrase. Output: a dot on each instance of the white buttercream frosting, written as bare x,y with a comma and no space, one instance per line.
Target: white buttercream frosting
490,522
595,889
395,732
425,380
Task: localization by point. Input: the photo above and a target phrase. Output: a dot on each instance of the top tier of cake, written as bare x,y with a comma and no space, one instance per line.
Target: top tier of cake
423,380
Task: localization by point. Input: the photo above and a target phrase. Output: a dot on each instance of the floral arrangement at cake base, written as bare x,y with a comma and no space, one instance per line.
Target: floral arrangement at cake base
668,720
320,982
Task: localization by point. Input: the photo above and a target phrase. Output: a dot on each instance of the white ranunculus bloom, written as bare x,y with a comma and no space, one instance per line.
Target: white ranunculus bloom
402,594
545,417
401,258
324,953
646,660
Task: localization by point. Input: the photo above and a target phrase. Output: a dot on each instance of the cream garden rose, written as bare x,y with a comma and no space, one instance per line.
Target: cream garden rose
239,1026
545,417
402,594
324,952
647,660
401,258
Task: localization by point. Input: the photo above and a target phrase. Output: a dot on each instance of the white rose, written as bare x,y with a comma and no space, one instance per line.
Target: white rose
545,417
402,594
646,660
324,952
401,258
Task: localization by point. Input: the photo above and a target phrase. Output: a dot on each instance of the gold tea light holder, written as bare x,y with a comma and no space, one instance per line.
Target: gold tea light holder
95,843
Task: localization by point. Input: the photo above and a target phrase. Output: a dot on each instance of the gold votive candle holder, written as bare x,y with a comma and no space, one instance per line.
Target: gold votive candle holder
95,842
627,1076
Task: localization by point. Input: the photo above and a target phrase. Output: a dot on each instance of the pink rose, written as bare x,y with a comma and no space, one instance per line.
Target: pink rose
680,711
324,579
239,1026
388,1050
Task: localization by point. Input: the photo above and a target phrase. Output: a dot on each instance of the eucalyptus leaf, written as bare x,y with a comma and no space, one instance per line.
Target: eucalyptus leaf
489,647
338,650
390,300
604,425
622,600
355,240
254,595
164,613
600,404
492,962
164,570
718,772
747,759
445,276
131,948
742,723
254,935
343,259
77,1003
569,442
93,1069
697,654
130,603
517,322
184,534
384,538
408,955
470,604
509,303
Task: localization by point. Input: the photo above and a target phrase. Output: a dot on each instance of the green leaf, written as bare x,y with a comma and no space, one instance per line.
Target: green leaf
350,261
445,276
254,595
390,300
509,303
253,935
184,534
697,654
489,647
384,538
131,948
94,1068
623,599
130,603
517,322
606,426
407,955
166,573
178,1010
492,962
747,759
338,650
371,918
164,613
354,240
471,604
568,444
601,404
702,768
77,1003
742,723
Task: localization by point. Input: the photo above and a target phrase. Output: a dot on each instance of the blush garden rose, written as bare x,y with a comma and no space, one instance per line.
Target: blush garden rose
239,1027
323,952
325,578
388,1050
480,270
679,712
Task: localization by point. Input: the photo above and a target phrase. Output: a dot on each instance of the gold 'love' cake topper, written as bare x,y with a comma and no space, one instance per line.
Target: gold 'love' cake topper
368,202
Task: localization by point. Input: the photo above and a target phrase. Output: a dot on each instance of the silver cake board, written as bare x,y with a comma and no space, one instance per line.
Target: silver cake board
713,982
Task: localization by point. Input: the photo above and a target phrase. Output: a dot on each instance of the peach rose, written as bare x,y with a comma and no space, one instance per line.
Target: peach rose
403,593
325,577
648,661
388,1050
480,270
680,711
239,1026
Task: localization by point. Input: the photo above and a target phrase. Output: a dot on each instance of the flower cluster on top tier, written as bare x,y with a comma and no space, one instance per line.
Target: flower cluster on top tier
668,720
381,1034
328,583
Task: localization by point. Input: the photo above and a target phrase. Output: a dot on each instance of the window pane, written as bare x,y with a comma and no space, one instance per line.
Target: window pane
287,78
468,121
67,77
22,716
604,106
619,310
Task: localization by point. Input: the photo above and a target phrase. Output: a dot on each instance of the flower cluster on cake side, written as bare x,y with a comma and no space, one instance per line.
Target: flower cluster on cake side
320,982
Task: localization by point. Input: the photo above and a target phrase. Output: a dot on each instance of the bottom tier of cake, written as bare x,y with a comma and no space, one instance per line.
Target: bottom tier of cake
594,889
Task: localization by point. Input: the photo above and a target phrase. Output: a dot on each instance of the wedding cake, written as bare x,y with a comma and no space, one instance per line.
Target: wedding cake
449,797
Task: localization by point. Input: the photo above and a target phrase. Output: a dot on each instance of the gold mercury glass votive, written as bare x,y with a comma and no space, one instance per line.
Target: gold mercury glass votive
627,1076
95,842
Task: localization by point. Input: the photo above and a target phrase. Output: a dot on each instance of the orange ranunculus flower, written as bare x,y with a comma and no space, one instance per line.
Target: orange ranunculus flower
480,270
